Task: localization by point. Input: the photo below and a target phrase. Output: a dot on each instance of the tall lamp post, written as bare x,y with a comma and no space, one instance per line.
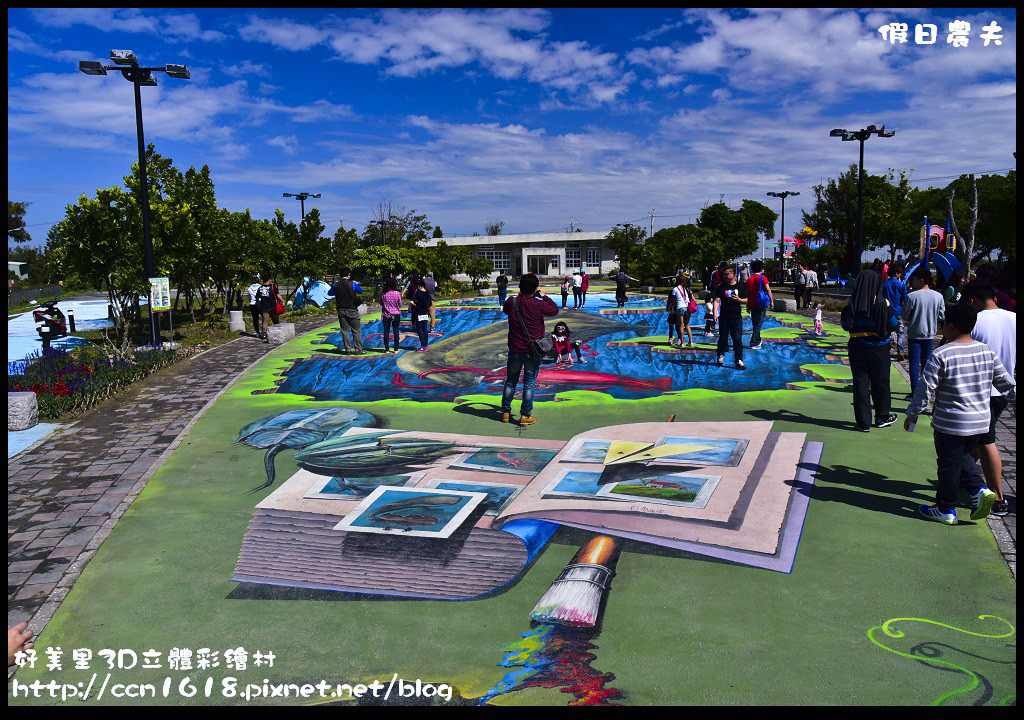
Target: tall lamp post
301,197
861,135
782,226
128,64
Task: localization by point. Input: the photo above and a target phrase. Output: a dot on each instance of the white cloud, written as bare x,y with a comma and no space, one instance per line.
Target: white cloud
247,67
171,26
410,43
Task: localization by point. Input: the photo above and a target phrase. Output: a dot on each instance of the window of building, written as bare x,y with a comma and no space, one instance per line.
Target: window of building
501,258
593,257
572,257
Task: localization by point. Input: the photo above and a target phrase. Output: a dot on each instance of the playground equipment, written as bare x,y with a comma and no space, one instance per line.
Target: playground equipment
938,247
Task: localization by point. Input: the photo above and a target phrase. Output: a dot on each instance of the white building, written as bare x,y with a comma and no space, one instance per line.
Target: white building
545,254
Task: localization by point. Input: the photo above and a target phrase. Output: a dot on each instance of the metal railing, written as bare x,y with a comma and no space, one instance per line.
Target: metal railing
19,296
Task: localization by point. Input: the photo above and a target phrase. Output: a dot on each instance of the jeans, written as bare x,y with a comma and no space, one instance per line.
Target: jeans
391,326
577,297
423,330
731,327
756,321
920,351
798,295
956,468
349,321
870,368
565,298
526,364
502,294
620,295
901,336
255,314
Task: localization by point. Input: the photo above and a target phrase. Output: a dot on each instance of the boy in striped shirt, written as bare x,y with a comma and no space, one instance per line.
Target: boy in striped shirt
959,376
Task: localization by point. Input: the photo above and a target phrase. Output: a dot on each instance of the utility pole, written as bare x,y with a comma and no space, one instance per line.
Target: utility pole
653,214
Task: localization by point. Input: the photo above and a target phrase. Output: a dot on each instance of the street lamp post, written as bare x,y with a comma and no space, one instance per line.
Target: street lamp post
128,64
301,197
782,226
861,135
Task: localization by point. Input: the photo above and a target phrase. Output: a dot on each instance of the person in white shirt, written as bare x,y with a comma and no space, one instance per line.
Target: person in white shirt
996,328
253,290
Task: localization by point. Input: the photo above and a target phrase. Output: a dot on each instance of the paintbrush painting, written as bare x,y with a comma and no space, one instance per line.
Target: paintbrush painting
576,483
412,512
342,488
499,495
679,489
517,461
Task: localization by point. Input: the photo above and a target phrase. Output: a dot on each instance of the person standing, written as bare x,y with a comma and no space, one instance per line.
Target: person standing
584,286
502,284
528,308
959,376
685,306
923,312
799,285
268,300
997,328
577,289
896,293
566,286
952,292
759,299
347,304
391,313
620,287
420,309
729,311
868,350
810,284
717,277
254,311
431,287
744,273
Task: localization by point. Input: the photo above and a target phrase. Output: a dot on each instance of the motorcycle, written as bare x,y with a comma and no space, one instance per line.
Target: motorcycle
51,316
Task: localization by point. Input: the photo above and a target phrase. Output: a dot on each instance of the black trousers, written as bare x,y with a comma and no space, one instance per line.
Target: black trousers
956,468
730,327
870,368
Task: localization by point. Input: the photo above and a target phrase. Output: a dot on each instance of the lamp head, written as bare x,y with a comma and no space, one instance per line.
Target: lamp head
178,71
91,68
838,132
124,57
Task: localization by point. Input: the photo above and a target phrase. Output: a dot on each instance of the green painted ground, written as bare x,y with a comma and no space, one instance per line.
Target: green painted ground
677,629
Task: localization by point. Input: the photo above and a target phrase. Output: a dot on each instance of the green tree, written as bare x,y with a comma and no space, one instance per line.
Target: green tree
437,232
395,227
477,268
16,221
494,227
443,260
835,213
888,220
625,239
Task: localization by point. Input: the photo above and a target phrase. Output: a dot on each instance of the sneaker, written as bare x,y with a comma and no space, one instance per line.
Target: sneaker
863,429
527,420
886,421
721,359
1000,508
981,503
756,347
740,365
932,512
690,344
506,417
582,361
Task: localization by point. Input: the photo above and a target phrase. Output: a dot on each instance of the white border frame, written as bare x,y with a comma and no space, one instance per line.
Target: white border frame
699,502
434,482
315,491
451,526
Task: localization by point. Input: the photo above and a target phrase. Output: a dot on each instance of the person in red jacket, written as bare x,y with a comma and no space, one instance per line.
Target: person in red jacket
528,308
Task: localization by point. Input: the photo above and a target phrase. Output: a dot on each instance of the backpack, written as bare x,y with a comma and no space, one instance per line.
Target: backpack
800,279
763,300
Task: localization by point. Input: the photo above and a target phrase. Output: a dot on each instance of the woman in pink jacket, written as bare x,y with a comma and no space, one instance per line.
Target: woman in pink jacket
391,312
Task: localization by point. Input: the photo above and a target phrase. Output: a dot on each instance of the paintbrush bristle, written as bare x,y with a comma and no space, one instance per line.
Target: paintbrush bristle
569,602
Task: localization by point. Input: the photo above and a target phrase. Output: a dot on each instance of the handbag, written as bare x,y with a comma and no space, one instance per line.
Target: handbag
540,347
362,309
278,307
691,307
763,301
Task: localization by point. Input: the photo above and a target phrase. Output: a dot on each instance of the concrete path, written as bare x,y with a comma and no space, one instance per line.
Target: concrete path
65,494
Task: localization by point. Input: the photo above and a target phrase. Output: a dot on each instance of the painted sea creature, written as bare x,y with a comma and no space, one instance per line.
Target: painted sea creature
371,454
545,376
456,361
398,512
298,429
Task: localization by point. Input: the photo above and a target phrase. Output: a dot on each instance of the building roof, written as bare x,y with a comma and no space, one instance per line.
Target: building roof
520,238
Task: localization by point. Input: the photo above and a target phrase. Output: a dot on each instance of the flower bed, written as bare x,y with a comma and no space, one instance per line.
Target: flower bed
70,382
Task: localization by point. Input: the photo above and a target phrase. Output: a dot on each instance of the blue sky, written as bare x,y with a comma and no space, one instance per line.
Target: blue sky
537,118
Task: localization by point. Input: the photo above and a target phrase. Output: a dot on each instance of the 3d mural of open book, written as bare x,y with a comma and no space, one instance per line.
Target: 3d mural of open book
434,515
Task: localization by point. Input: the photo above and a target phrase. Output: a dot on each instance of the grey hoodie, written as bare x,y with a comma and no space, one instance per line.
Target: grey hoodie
924,312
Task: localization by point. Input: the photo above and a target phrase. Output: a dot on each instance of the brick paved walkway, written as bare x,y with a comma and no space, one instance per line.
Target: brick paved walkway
65,495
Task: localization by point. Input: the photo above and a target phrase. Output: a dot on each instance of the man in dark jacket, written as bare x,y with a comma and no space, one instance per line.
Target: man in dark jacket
347,301
532,306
